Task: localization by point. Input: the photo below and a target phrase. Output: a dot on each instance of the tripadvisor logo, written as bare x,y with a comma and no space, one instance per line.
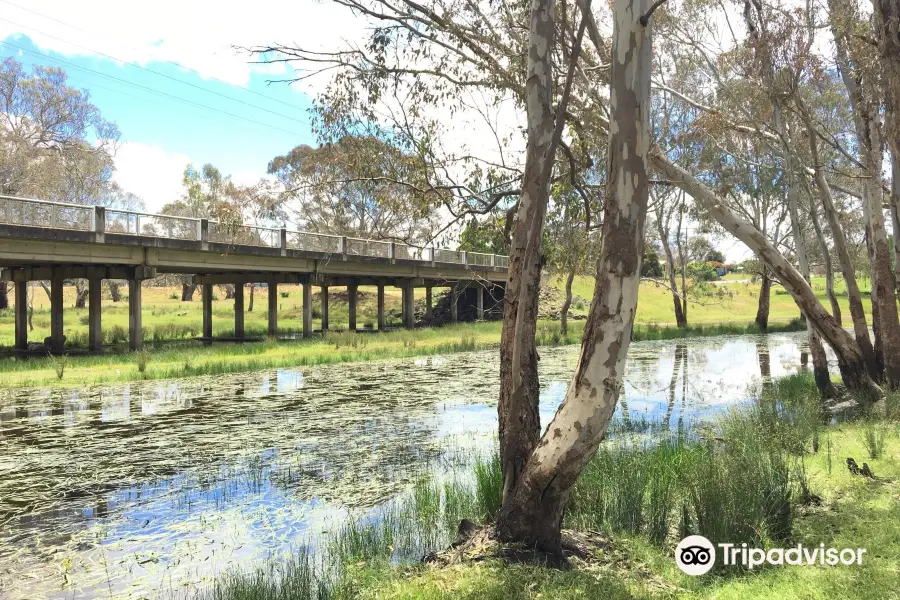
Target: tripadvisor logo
696,555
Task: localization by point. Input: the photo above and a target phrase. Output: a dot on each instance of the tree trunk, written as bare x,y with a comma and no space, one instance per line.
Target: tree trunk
517,408
564,312
895,214
680,316
252,290
857,313
826,259
115,292
850,358
765,293
81,293
4,295
533,513
876,313
229,291
187,292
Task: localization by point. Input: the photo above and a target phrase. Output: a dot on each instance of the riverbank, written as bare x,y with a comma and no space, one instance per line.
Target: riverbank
172,360
772,475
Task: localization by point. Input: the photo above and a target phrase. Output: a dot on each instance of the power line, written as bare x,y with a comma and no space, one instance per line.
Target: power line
171,62
181,81
150,89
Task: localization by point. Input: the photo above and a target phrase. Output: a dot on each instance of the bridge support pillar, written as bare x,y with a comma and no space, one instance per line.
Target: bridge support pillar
428,313
135,332
273,308
381,323
207,313
57,339
307,309
409,316
95,328
479,302
454,299
324,295
21,298
239,311
352,290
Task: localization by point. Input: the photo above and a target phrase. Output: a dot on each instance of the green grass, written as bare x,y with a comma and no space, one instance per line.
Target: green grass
738,480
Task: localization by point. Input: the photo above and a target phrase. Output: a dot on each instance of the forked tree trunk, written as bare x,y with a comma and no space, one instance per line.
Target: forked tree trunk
564,312
517,408
533,512
81,293
765,296
850,358
854,298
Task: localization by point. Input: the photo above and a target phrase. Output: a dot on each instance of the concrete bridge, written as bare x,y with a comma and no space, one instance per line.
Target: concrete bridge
52,241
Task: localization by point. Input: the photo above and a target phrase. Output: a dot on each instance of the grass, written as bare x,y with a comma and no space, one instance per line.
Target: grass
737,481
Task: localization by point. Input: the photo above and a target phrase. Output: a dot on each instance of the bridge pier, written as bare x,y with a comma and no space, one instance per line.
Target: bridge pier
135,331
324,295
239,311
352,293
428,313
479,302
454,300
273,308
307,308
207,313
95,327
409,317
21,317
57,338
381,323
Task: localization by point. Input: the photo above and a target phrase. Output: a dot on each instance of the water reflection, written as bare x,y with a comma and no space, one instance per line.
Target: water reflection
130,489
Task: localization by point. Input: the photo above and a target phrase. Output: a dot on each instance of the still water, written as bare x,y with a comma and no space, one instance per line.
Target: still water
137,490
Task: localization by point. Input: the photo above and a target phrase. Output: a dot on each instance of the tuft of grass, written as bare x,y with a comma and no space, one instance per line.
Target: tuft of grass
142,359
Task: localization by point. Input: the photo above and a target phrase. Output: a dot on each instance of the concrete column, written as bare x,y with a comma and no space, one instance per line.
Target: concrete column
409,315
135,333
21,298
95,328
273,308
239,311
454,297
307,309
324,295
381,323
479,299
428,313
351,291
57,340
207,312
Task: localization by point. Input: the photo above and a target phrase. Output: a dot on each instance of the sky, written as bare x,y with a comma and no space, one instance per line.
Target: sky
168,74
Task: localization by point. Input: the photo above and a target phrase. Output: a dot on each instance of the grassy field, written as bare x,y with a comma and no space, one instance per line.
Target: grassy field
772,475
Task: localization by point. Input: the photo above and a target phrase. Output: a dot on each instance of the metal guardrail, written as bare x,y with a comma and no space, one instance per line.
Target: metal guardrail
31,212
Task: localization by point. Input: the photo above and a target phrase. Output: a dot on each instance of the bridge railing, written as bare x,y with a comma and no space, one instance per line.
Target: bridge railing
313,242
130,222
57,215
37,213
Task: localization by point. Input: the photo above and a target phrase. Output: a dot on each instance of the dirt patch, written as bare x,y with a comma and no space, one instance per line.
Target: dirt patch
590,551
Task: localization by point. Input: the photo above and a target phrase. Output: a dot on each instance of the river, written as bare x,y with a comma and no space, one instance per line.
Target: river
133,490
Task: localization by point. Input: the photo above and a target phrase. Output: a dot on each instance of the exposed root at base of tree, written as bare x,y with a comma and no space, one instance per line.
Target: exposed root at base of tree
588,551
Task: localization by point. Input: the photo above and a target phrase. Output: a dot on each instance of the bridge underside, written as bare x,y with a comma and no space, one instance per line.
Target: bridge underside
37,254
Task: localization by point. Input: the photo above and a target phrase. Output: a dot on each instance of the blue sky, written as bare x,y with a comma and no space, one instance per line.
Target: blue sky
189,46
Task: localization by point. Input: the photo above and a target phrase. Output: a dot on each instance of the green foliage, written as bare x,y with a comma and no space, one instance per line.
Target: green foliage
484,236
701,271
650,266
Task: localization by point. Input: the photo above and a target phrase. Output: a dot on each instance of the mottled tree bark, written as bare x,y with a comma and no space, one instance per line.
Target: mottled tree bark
517,408
187,292
533,512
81,293
115,292
826,258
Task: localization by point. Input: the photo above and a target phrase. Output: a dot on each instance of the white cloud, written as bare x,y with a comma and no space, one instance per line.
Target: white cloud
200,34
150,172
